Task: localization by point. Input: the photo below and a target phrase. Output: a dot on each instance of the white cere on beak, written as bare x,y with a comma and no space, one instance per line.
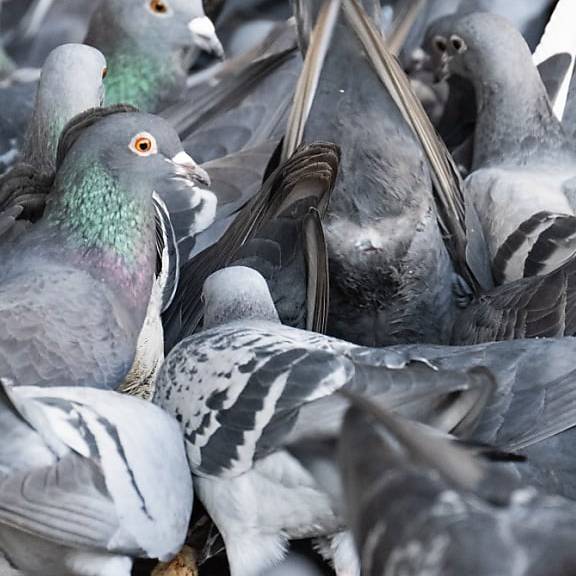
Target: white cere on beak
205,36
184,159
186,162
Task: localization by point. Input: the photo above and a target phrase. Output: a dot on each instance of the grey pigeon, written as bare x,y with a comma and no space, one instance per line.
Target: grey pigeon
391,278
33,115
150,46
522,183
75,289
448,503
247,384
90,479
279,233
71,82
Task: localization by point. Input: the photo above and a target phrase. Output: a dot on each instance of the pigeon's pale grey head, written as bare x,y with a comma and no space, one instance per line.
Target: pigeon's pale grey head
237,293
479,46
150,45
71,82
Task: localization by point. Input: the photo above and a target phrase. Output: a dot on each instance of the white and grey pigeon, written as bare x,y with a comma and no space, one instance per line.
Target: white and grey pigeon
89,480
523,179
248,384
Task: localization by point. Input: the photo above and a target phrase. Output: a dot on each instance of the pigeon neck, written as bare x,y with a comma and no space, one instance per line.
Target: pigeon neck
142,80
105,228
514,114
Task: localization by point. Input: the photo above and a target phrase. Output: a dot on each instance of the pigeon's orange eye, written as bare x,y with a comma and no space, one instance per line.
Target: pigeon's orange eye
158,6
104,72
144,144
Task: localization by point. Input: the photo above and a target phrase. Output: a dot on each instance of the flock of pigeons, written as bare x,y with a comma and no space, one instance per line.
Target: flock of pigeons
309,266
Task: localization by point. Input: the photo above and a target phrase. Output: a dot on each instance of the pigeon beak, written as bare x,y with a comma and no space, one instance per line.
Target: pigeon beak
189,169
204,36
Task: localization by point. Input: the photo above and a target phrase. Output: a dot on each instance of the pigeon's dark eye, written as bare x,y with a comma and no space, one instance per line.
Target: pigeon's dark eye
440,43
158,6
104,72
458,44
144,144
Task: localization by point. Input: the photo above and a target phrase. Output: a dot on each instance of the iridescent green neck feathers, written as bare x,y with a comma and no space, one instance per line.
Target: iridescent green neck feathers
142,81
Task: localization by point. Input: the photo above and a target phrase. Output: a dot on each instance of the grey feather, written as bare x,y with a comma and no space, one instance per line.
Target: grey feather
98,494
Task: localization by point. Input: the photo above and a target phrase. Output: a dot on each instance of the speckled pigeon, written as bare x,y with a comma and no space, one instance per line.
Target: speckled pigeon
89,480
523,177
75,289
448,503
244,386
150,46
247,386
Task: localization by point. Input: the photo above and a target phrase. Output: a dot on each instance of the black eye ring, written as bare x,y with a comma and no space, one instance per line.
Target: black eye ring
457,43
440,43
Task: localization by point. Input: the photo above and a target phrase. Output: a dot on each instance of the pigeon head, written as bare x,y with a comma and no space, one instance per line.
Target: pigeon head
150,45
71,82
234,294
476,46
101,204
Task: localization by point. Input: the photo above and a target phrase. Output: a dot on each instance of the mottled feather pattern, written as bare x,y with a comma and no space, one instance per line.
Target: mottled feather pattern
227,405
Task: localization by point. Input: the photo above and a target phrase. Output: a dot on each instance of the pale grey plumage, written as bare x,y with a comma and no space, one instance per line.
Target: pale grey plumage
89,480
71,82
34,114
523,177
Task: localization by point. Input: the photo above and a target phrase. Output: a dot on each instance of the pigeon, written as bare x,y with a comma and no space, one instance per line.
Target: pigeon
522,171
448,502
70,83
90,479
246,384
76,287
150,46
279,233
226,387
391,276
